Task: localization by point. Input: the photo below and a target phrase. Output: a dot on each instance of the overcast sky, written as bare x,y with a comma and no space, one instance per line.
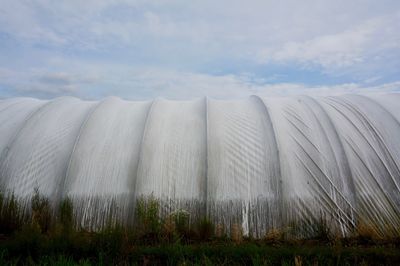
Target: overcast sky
186,49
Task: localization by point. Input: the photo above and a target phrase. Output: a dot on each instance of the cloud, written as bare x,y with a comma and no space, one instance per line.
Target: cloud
44,84
336,50
62,78
176,49
341,50
139,83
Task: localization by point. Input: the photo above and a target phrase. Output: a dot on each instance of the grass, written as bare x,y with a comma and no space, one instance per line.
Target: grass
11,214
213,253
41,211
47,235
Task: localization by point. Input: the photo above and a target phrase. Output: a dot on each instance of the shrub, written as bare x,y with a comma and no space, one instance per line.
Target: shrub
205,229
176,227
41,211
148,220
181,219
66,215
11,214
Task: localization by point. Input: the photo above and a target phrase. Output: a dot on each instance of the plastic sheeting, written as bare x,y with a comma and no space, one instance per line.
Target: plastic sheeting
103,165
261,163
38,153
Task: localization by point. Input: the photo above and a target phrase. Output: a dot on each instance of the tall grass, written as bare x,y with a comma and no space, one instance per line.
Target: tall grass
65,215
11,214
47,234
41,211
148,222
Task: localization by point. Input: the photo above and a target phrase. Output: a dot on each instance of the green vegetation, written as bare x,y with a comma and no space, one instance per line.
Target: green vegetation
11,214
41,211
47,235
66,215
148,221
213,253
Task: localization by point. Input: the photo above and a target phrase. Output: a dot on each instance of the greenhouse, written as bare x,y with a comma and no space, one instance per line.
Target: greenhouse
260,163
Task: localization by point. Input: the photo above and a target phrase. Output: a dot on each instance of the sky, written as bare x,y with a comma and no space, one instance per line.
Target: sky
183,49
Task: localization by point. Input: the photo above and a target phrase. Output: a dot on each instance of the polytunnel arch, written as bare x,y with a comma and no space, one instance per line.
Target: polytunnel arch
243,166
366,156
172,165
314,184
38,153
103,166
20,110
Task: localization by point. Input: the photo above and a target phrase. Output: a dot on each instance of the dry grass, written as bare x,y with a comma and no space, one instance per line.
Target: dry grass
236,233
367,231
274,235
169,226
197,243
298,261
219,230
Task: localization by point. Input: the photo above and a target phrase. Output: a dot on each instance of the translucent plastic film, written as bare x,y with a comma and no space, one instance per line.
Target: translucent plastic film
257,163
